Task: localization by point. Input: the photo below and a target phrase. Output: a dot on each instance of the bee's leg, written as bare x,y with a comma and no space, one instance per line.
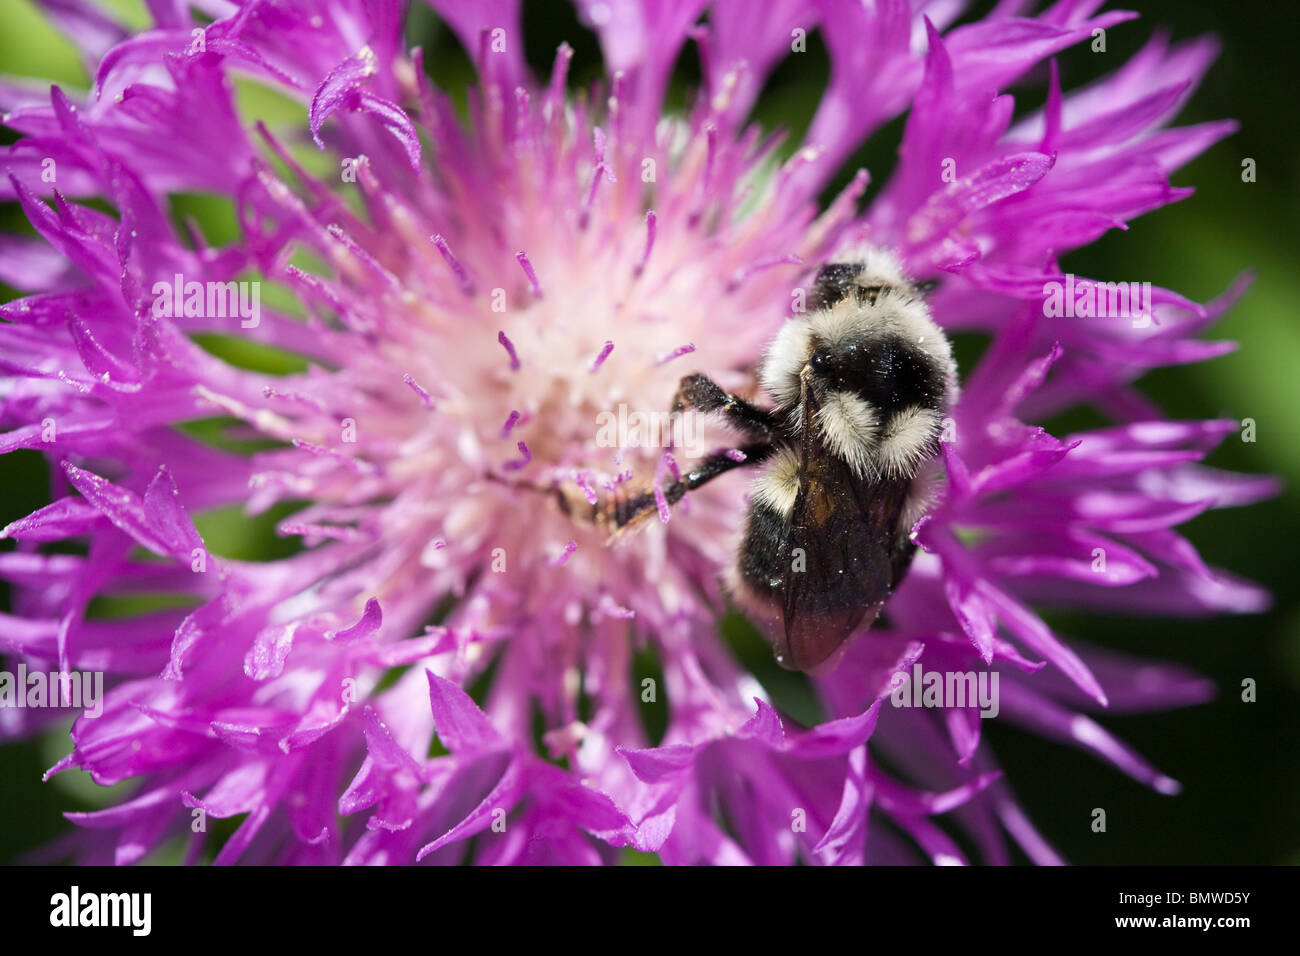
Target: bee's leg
700,392
566,504
630,509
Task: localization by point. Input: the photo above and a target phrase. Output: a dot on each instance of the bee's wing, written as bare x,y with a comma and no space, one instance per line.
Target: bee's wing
847,531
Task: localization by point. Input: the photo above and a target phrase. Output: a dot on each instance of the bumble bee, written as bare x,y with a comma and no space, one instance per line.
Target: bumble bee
860,383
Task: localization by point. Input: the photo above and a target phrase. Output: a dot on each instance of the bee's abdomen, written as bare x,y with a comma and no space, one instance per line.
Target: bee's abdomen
763,562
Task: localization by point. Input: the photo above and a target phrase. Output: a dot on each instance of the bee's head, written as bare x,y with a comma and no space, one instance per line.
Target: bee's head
862,277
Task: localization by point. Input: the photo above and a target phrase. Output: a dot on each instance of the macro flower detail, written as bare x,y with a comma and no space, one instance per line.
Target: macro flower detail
446,667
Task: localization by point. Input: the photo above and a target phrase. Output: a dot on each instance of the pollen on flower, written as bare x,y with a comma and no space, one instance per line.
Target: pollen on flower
664,358
425,398
310,401
462,276
519,463
651,222
562,558
510,349
530,273
588,492
361,467
599,360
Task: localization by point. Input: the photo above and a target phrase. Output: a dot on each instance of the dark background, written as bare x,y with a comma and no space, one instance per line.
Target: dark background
1236,760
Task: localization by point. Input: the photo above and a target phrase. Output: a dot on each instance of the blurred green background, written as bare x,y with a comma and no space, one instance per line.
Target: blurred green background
1237,761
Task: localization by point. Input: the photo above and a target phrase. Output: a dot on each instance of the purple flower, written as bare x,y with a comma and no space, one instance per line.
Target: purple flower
466,295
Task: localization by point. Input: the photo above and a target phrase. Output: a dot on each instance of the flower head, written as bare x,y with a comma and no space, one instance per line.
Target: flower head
464,295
